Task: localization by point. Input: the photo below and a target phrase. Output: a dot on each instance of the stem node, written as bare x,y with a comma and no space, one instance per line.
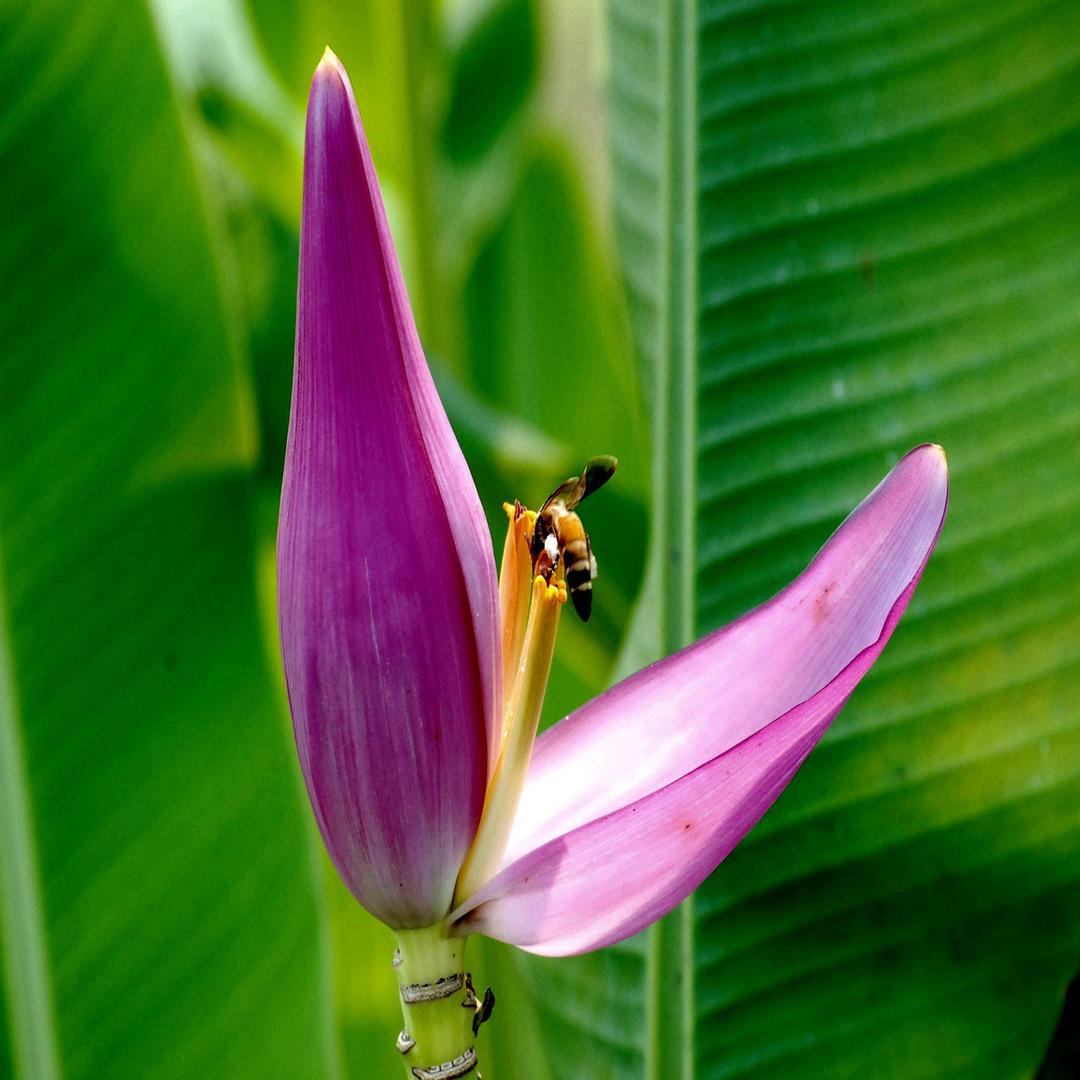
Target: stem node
438,1004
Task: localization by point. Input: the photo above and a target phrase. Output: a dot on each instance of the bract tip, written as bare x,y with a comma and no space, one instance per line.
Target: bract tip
329,64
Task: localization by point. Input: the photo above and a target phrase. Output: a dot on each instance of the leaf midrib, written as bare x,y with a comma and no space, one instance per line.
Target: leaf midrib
670,1016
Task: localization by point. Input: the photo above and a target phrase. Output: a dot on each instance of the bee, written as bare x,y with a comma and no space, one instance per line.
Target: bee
559,535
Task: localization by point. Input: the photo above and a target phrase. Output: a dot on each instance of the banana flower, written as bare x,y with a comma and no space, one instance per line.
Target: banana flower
415,676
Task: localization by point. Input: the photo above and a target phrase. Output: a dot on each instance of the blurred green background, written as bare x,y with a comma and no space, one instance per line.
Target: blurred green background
756,249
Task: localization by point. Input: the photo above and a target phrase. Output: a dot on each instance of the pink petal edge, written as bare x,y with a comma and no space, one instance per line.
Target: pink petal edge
610,876
673,716
616,875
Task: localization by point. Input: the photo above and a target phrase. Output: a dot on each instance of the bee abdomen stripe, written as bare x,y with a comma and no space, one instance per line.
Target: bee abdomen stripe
578,572
581,564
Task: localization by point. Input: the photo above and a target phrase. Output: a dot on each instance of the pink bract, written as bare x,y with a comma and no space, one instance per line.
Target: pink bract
388,606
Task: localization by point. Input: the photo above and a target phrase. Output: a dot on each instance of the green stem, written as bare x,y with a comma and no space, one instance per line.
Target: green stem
437,1038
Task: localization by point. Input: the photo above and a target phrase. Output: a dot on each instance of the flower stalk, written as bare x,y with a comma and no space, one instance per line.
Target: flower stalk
437,1039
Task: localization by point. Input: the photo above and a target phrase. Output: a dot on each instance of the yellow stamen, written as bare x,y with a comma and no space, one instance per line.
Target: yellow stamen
515,578
520,719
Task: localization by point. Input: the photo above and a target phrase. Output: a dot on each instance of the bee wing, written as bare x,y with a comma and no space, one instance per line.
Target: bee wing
597,472
569,493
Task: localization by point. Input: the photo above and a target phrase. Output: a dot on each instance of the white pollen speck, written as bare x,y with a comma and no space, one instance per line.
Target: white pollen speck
551,546
839,389
813,207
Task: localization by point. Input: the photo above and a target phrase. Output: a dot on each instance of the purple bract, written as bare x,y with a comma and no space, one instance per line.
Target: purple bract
390,632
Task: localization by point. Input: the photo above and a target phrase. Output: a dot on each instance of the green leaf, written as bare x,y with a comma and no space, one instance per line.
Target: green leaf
160,911
846,229
492,67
